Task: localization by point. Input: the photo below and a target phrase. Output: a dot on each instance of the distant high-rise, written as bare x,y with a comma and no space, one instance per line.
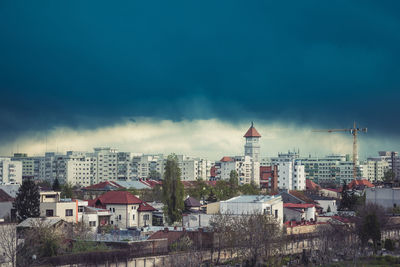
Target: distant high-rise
252,146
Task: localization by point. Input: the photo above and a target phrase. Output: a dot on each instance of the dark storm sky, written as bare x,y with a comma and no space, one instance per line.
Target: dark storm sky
95,63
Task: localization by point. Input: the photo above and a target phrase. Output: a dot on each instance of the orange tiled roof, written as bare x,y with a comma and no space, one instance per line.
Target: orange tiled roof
310,185
226,159
252,132
363,182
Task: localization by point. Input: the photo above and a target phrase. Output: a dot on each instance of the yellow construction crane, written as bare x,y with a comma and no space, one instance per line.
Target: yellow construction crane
354,131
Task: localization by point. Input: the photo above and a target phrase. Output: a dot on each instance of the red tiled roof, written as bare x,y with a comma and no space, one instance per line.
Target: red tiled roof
145,207
299,206
363,182
226,159
300,195
151,183
334,190
4,197
252,132
118,197
310,185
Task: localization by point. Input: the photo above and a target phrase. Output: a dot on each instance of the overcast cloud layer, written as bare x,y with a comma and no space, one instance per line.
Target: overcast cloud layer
82,67
212,139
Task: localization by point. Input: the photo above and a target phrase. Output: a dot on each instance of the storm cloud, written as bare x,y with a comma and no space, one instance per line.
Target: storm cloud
89,65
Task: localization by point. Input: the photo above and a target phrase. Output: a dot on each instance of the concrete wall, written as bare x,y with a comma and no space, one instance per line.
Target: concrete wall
213,208
386,197
5,209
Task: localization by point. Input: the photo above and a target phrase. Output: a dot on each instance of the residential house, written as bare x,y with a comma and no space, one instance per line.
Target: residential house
6,205
192,204
328,204
127,210
299,212
360,185
51,205
96,217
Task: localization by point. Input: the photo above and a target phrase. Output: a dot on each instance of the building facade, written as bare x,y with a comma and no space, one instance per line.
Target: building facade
10,171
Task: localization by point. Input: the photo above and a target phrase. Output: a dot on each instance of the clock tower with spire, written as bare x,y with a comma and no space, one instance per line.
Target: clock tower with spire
252,146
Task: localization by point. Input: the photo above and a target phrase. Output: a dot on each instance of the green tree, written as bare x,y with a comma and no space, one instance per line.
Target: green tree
27,202
234,179
154,175
349,199
389,176
67,191
223,190
56,185
199,190
172,189
249,189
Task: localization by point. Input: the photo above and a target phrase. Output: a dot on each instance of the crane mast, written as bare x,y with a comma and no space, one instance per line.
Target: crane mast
354,131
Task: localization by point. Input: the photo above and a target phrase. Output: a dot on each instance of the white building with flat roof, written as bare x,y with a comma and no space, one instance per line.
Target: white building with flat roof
272,205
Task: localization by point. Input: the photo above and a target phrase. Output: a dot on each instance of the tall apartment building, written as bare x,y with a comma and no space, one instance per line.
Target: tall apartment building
291,172
10,171
248,170
142,165
374,169
193,169
392,157
323,169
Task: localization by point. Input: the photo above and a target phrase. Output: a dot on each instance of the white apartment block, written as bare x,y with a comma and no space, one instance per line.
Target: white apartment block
142,165
10,171
248,170
193,169
291,175
291,171
374,169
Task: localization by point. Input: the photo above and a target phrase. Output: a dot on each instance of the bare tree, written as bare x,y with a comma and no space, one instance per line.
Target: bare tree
253,237
259,237
370,220
8,242
223,226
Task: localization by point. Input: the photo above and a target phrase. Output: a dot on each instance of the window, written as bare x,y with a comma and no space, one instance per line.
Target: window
80,209
119,217
146,217
49,213
92,224
133,217
276,213
68,212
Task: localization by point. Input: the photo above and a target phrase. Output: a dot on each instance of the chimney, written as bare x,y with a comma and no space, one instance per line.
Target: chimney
183,229
166,230
200,230
175,228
